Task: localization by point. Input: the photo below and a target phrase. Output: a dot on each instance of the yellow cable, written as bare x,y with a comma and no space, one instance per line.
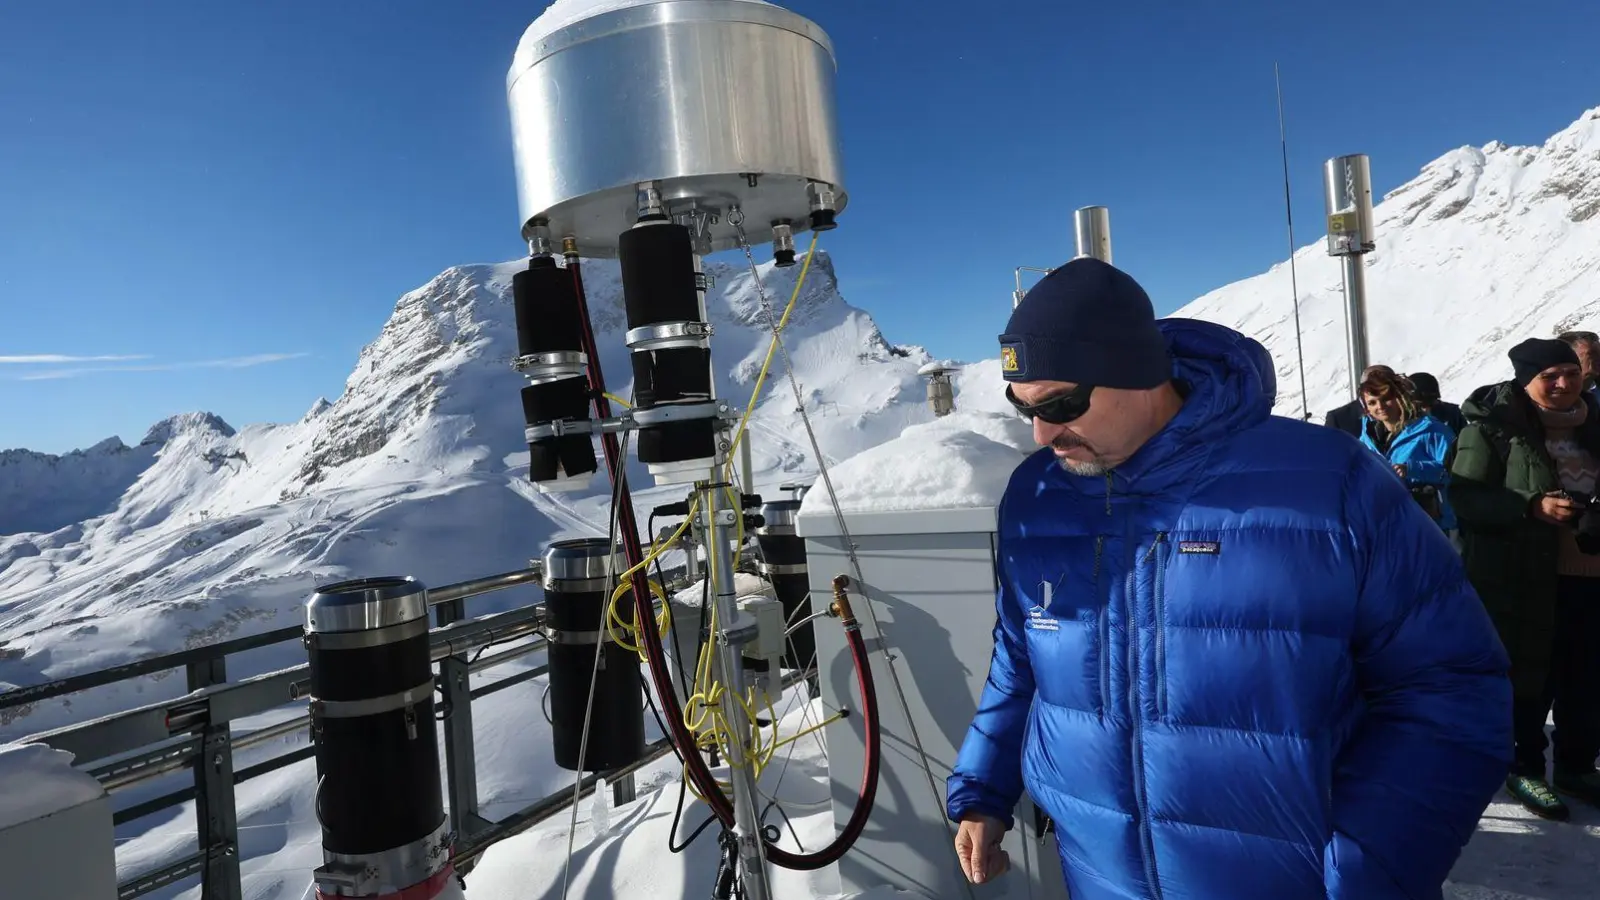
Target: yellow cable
614,619
618,400
625,585
772,348
800,734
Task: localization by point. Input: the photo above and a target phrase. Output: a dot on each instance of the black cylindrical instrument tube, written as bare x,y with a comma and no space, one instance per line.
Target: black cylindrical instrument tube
378,795
662,289
555,404
783,562
577,591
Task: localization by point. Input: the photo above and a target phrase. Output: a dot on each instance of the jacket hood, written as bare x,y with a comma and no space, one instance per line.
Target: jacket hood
1502,401
1231,386
1232,382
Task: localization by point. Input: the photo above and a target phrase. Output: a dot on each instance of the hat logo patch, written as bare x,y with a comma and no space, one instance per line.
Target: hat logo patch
1010,359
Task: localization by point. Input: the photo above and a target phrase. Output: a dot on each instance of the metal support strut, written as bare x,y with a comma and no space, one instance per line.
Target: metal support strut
214,802
455,692
720,523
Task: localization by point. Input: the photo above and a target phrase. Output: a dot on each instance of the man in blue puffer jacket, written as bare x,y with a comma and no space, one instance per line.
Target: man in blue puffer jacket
1233,659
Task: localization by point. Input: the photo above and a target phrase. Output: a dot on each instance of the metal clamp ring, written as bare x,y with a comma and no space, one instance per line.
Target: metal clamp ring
571,638
355,709
558,428
669,335
675,412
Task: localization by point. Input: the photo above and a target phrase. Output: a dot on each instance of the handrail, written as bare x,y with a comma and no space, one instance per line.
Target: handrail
148,666
157,739
465,589
153,723
177,660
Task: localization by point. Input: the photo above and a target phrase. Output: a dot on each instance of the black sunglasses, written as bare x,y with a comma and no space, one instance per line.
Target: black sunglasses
1057,410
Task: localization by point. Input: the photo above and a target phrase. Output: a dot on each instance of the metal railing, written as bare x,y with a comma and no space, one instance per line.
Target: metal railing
193,732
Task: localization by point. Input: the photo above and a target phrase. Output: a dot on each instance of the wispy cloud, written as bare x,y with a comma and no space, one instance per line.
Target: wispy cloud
47,359
229,362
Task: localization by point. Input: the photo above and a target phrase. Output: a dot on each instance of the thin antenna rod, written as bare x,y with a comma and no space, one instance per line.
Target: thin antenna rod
1294,281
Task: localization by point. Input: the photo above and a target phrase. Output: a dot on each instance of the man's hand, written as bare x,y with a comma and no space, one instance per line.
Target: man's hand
1400,469
1556,508
978,848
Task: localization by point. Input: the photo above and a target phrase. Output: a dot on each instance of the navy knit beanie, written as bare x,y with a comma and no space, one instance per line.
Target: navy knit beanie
1534,355
1087,322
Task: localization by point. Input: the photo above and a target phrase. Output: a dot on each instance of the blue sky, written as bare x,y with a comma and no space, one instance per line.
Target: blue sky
214,205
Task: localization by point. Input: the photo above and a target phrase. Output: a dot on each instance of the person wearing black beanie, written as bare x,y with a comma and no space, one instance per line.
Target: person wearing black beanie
1427,390
1523,483
1089,325
1173,548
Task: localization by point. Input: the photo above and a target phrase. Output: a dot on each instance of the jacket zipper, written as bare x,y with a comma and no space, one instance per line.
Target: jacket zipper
1159,601
1146,839
1105,630
1105,615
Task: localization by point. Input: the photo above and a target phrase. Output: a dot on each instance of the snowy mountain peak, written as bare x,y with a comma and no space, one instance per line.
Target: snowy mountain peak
110,445
1485,247
1497,179
43,492
318,408
187,423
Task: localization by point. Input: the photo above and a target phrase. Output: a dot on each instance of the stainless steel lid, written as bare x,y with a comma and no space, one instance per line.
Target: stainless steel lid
580,561
778,517
364,604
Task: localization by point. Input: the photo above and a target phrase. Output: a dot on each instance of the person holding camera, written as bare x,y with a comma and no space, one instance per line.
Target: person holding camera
1398,428
1524,478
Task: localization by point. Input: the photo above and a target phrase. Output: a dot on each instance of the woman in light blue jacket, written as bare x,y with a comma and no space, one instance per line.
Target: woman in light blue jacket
1417,445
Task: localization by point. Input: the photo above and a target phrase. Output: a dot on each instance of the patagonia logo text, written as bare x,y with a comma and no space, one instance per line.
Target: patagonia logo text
1204,548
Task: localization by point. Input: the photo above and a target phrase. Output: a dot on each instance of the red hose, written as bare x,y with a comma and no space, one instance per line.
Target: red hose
644,610
869,774
655,659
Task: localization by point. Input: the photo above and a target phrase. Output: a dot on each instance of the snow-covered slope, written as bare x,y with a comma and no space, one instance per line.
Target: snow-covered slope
1487,246
41,492
418,467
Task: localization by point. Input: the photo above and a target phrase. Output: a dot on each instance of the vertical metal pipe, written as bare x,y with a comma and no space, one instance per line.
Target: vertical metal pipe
1092,225
747,464
1347,190
747,827
1355,319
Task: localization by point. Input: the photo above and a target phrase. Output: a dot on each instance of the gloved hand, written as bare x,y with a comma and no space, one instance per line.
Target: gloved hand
1588,535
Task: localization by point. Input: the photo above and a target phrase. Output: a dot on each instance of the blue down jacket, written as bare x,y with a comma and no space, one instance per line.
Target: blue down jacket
1243,665
1423,447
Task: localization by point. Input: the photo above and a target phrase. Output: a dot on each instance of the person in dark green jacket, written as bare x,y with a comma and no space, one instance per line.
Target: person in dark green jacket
1526,466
